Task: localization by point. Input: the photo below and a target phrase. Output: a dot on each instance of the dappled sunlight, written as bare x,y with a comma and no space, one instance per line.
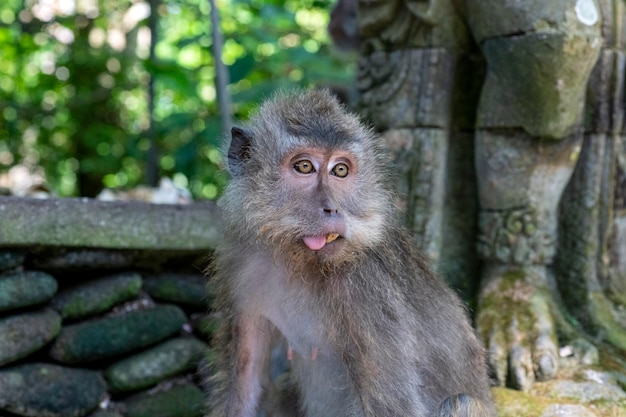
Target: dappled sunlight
75,78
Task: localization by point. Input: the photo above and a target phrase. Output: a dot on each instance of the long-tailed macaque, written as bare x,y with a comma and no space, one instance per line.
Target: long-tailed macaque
313,251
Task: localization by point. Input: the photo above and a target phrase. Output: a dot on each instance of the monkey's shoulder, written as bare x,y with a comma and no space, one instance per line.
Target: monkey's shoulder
400,264
400,255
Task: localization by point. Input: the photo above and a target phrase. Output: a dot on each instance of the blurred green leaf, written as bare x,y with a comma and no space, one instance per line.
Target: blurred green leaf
74,84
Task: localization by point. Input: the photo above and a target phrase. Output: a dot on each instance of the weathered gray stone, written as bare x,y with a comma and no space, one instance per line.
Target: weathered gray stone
10,259
605,91
187,289
514,403
583,207
411,24
576,355
23,289
567,410
493,18
536,82
23,334
113,336
180,401
617,247
600,377
97,296
421,153
394,98
154,365
45,390
518,198
586,391
90,223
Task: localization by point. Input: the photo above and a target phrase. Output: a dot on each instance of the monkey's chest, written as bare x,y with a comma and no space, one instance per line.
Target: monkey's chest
301,324
289,303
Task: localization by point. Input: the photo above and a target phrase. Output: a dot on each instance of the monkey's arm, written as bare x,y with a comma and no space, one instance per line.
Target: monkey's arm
374,362
242,377
394,382
416,332
377,385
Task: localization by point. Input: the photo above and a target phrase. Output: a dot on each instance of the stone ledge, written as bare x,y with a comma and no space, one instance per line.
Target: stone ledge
89,223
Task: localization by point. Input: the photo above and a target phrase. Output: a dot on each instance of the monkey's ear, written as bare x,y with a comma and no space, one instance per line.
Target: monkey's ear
239,150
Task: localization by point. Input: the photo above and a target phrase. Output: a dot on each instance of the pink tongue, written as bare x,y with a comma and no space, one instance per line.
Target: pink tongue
314,242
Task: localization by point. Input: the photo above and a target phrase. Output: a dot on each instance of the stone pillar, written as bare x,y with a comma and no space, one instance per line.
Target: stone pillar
591,272
529,133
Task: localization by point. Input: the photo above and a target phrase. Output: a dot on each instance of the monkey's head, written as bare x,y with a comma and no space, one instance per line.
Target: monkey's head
308,180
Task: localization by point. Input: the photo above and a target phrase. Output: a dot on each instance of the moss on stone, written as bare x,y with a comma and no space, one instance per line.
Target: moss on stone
113,336
501,305
600,309
23,289
97,296
147,368
513,403
83,222
39,389
23,334
180,401
186,289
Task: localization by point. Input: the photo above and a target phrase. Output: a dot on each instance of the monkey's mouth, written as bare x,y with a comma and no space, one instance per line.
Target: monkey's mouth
318,242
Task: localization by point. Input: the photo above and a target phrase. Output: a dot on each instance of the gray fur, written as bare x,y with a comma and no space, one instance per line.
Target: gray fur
390,338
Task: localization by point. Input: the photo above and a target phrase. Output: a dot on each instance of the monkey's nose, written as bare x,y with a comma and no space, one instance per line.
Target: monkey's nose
330,211
328,206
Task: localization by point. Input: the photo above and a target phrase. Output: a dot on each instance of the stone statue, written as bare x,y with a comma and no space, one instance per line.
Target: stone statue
506,117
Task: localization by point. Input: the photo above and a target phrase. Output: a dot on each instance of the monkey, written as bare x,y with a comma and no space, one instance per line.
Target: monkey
313,251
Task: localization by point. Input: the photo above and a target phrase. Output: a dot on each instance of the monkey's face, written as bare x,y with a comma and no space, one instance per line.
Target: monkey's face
325,205
319,182
308,182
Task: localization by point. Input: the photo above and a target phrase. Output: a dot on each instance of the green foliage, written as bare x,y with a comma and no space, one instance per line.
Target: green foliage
74,84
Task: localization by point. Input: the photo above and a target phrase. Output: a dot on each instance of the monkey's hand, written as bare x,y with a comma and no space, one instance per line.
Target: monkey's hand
516,324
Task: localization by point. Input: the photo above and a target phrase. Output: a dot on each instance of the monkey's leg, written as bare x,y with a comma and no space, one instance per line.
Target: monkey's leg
252,336
326,390
461,405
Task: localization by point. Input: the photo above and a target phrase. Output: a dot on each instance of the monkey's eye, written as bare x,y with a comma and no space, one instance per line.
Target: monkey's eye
340,170
304,166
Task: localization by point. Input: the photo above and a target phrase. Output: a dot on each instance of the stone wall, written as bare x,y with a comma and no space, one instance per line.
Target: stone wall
103,307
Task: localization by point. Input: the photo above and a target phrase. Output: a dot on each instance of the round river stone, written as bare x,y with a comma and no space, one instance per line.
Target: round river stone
113,336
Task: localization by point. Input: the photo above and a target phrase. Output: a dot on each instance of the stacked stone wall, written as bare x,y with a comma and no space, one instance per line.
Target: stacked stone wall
103,307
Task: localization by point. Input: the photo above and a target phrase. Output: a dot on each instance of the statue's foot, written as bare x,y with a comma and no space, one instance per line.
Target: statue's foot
516,323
